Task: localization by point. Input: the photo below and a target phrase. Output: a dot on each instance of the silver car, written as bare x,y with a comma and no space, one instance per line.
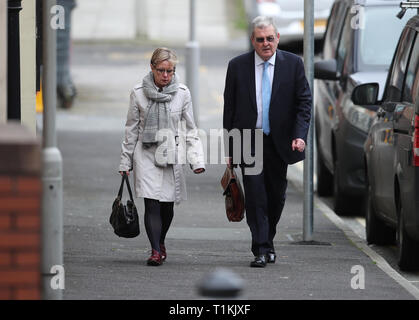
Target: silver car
289,16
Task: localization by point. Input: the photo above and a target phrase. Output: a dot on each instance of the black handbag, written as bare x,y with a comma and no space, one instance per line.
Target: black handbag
124,218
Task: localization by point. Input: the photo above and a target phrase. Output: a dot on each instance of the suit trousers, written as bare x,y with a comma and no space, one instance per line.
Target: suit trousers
265,198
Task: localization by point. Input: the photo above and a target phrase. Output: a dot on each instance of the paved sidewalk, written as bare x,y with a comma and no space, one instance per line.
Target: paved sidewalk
99,265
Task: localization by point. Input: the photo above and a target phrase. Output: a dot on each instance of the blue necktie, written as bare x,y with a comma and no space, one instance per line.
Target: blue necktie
266,99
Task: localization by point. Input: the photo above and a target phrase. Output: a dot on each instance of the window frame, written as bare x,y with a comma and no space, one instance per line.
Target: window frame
401,41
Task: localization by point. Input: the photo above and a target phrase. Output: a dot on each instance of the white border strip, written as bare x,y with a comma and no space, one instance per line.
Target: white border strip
360,243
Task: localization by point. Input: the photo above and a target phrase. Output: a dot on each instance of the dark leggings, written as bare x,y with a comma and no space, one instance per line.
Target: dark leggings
157,219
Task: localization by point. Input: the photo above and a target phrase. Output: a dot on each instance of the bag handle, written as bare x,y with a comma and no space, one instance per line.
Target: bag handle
233,179
129,187
121,188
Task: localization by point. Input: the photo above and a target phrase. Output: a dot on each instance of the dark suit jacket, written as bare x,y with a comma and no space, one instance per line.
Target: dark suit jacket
291,101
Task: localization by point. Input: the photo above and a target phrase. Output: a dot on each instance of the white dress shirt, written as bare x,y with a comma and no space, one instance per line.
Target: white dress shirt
258,78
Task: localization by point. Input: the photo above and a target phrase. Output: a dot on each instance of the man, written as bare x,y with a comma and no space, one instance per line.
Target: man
267,89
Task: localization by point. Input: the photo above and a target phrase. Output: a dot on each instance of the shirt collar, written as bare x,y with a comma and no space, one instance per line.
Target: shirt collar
259,60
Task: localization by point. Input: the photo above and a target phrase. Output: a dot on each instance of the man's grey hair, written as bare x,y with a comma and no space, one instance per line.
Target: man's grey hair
261,22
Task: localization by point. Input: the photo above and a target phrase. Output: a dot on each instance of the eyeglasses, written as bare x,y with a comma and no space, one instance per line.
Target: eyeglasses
262,40
162,71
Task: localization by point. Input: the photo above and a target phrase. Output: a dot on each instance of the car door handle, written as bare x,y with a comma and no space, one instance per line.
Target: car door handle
402,131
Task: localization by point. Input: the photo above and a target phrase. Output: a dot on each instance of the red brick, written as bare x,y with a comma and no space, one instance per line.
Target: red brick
19,277
5,294
14,203
26,213
27,294
29,185
28,222
5,259
10,240
6,184
5,222
24,259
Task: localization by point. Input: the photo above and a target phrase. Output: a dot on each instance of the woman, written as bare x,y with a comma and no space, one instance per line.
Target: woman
160,108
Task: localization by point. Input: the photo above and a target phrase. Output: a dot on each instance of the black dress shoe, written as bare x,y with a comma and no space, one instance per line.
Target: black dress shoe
271,257
259,262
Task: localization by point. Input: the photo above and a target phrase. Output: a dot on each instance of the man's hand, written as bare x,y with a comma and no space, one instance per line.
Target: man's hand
229,161
298,144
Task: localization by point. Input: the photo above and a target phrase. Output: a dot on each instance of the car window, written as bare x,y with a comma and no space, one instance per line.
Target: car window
345,43
395,85
334,29
378,36
410,90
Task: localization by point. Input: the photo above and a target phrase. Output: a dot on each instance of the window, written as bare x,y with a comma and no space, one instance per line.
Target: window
412,75
379,35
345,43
334,29
395,85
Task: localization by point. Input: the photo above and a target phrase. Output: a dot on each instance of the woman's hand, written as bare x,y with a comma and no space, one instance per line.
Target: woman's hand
198,171
122,173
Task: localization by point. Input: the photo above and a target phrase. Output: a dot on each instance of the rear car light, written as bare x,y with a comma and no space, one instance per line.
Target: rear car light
416,143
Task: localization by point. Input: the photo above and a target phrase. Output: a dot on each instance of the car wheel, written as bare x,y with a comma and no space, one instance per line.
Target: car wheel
341,203
377,231
324,178
408,255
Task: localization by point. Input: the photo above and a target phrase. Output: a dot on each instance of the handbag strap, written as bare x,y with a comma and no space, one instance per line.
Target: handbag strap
121,188
129,187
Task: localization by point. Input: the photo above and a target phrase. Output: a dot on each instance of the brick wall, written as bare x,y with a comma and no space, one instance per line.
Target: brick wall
20,214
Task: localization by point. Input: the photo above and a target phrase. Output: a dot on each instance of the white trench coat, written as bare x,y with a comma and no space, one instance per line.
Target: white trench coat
166,184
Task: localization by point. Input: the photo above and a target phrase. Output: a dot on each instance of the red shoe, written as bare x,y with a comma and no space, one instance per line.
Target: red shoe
155,259
163,252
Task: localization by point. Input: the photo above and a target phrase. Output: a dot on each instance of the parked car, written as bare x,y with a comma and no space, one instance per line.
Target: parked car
392,152
358,47
289,16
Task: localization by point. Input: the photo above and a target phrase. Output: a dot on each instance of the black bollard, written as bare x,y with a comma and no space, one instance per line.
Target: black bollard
66,90
13,54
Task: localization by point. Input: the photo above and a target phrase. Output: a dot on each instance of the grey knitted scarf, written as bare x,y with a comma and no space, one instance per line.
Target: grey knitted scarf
158,113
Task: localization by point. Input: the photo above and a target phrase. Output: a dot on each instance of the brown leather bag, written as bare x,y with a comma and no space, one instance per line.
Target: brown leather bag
234,196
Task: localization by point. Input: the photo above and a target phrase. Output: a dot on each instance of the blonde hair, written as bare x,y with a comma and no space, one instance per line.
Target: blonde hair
163,54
